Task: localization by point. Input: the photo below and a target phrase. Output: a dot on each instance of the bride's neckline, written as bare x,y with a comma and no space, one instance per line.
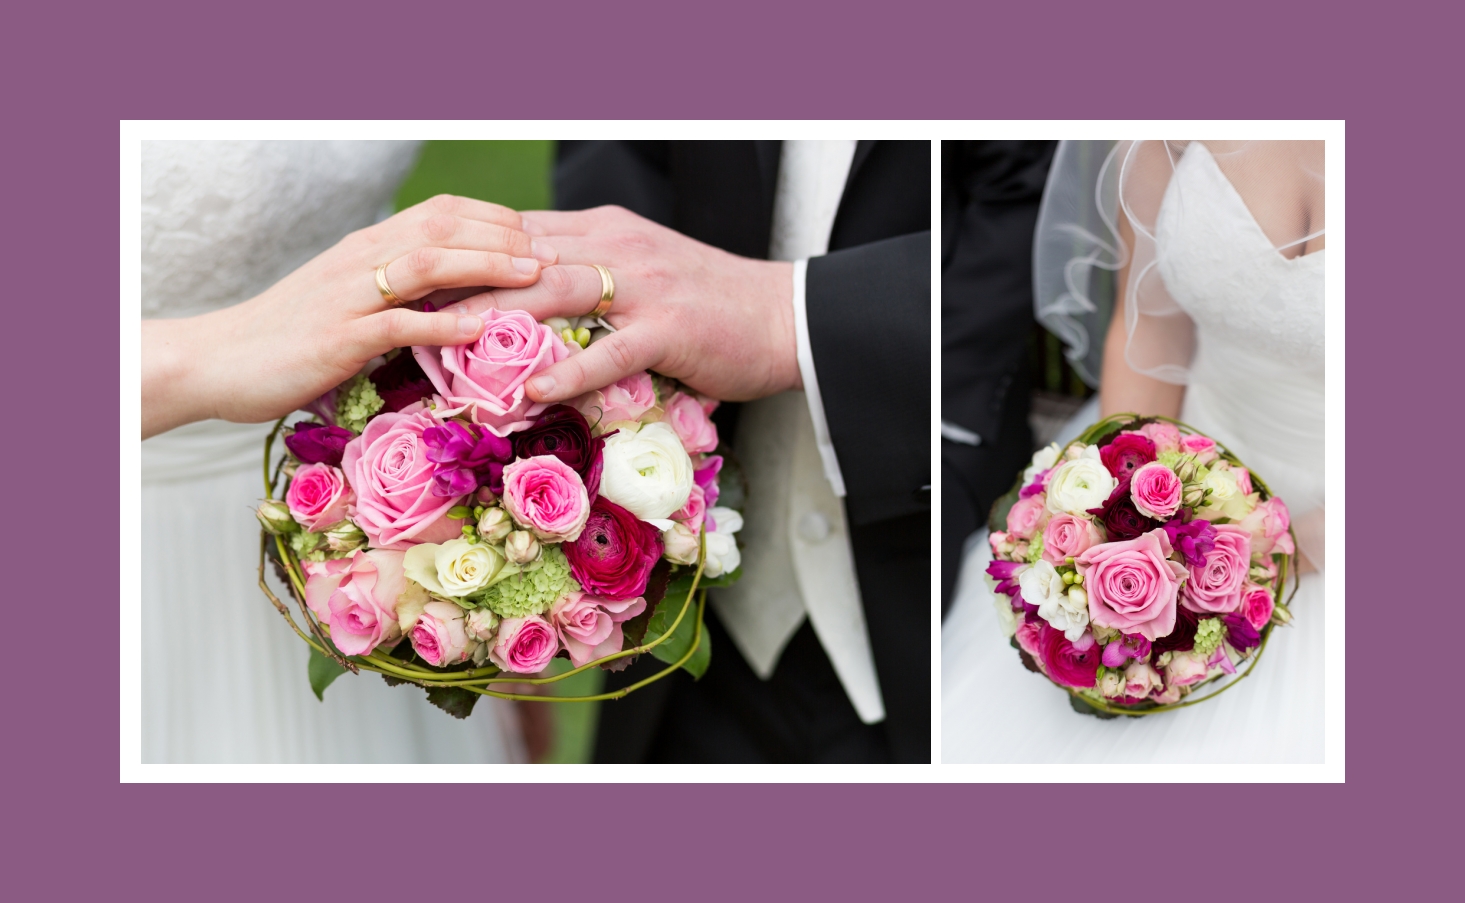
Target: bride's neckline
1230,190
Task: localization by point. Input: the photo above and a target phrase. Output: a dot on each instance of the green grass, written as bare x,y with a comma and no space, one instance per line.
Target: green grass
517,174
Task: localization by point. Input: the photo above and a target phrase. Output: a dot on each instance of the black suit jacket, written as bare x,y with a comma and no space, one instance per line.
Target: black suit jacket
869,308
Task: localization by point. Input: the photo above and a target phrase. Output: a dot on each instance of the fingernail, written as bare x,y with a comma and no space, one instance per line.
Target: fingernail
469,325
543,384
543,252
526,265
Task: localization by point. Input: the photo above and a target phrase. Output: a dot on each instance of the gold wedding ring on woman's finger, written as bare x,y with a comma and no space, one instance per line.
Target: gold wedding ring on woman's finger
607,292
385,288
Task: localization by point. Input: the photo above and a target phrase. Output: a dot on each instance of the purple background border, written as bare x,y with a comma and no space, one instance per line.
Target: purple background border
70,75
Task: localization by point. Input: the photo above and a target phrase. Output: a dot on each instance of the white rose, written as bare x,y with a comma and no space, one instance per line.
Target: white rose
647,472
1112,684
723,556
457,568
1226,498
679,544
1043,459
1064,608
409,606
1080,484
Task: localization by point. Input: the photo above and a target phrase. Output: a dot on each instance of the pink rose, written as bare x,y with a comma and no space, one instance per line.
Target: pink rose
440,637
1202,447
1243,480
318,496
1140,680
1155,491
1215,586
1069,536
357,598
387,467
1268,523
546,495
1132,585
1024,517
1185,668
689,419
1029,634
1168,696
488,375
692,513
590,628
1256,605
524,645
1165,436
626,399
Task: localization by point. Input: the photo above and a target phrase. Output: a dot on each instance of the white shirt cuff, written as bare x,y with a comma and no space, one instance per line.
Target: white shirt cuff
811,383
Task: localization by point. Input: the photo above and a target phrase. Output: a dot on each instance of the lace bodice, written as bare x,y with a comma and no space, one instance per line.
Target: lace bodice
1256,381
224,220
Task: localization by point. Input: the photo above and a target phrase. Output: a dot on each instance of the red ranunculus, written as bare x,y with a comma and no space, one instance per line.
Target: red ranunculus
1070,664
615,553
1126,454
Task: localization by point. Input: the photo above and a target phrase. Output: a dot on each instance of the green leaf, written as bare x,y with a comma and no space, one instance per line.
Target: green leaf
322,670
680,642
456,701
997,520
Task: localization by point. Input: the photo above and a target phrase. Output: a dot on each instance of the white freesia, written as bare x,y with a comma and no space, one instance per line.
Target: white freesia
723,556
1080,484
1043,459
647,472
1066,609
457,568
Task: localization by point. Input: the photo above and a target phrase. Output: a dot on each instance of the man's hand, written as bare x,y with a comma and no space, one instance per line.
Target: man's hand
720,323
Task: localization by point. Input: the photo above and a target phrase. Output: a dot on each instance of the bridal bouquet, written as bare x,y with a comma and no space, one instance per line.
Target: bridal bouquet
1139,564
437,526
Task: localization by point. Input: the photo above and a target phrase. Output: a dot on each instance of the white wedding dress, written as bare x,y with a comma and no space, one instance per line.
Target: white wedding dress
223,676
1256,385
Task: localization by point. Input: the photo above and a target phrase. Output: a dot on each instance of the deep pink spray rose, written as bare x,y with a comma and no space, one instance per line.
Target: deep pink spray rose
1216,585
318,443
1155,491
440,636
1070,664
1029,637
692,513
357,598
1126,454
1165,436
1069,536
692,425
626,399
1024,517
590,627
615,552
488,375
1203,447
1268,523
545,494
1132,584
388,468
524,645
318,496
1256,605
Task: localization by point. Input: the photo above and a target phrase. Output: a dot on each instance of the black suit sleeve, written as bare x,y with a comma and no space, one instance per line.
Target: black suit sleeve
869,311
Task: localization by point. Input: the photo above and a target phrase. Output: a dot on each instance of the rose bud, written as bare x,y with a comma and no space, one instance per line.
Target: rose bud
274,516
481,624
520,547
680,546
494,525
1112,683
344,537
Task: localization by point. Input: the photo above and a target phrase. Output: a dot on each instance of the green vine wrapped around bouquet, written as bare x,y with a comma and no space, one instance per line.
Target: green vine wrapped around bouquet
1139,564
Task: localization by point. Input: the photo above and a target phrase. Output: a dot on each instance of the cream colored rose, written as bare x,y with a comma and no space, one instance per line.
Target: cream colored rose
1226,498
1080,484
679,545
647,472
457,568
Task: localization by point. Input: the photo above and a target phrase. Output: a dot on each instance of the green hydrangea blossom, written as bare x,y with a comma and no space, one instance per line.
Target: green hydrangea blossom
1208,636
356,401
309,546
534,590
1035,548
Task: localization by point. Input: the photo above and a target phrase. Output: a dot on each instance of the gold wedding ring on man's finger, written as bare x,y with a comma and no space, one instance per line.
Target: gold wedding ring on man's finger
607,292
382,286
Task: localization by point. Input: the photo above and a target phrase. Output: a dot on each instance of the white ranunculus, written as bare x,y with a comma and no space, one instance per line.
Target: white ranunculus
1043,459
1064,608
723,556
457,568
1080,484
647,472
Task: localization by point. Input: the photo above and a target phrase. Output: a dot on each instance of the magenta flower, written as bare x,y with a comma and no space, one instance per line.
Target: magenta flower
1128,646
1194,540
615,552
1070,664
1126,454
1005,573
317,443
466,457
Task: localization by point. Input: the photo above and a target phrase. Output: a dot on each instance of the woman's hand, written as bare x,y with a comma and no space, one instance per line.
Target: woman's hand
722,324
315,328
